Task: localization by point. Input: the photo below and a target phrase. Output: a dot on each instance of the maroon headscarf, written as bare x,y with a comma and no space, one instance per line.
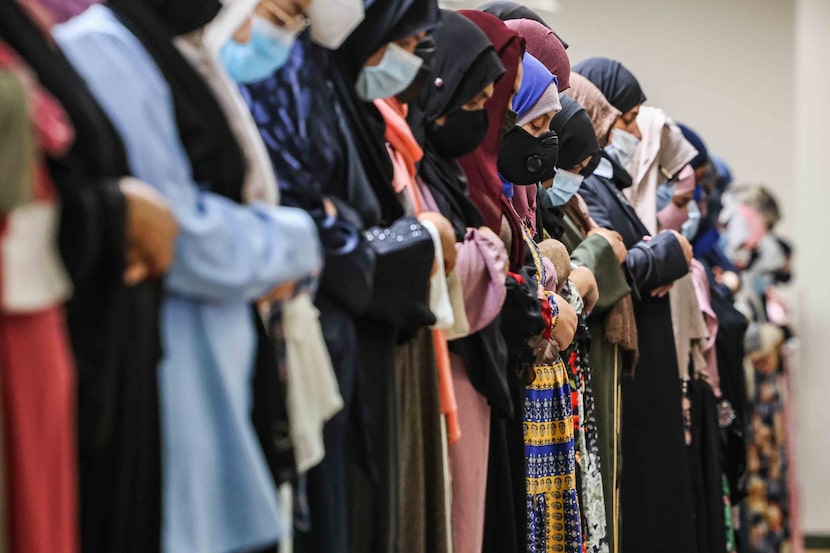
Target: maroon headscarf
62,10
543,45
480,166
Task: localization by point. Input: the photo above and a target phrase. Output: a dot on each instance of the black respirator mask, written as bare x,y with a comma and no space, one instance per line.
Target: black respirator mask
525,159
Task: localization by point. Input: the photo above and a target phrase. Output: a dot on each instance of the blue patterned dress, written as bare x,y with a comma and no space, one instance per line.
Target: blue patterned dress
553,520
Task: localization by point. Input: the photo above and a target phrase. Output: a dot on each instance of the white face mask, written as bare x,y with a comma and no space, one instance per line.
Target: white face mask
622,146
332,21
392,75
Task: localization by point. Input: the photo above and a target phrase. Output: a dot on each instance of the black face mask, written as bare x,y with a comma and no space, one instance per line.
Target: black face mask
426,51
510,118
462,132
525,159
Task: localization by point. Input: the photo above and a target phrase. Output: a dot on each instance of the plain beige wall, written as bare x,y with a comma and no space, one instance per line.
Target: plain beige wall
725,67
752,77
812,230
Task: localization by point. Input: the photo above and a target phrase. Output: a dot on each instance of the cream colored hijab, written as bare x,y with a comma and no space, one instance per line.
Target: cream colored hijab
663,152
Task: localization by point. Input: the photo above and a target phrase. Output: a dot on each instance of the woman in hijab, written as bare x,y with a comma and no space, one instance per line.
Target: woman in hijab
480,167
114,234
543,44
486,353
326,141
449,116
536,102
695,332
651,414
425,387
211,333
610,323
663,151
389,34
547,381
603,115
294,323
506,11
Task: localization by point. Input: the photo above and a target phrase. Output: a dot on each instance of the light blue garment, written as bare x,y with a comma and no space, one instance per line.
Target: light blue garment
256,60
395,72
218,495
565,186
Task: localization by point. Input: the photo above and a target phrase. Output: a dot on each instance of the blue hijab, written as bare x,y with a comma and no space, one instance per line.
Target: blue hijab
535,80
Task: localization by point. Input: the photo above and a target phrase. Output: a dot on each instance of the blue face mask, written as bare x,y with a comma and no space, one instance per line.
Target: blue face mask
565,185
761,282
622,147
260,57
665,192
391,76
692,224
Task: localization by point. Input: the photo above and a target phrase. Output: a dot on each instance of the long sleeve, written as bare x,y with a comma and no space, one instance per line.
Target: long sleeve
650,264
224,250
480,267
597,254
599,211
655,263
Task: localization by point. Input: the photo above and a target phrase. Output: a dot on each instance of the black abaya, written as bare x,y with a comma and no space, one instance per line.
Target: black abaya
113,328
656,499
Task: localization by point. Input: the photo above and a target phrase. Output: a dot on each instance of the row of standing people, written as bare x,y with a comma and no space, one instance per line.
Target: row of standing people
407,265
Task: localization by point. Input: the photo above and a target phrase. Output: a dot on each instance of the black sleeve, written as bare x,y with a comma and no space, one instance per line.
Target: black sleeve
348,273
92,233
656,263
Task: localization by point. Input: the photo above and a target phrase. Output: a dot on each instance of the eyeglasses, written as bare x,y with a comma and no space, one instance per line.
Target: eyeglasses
297,23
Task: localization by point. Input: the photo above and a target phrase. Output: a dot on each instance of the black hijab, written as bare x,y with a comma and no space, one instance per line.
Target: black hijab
97,146
619,86
577,139
506,11
465,62
215,156
385,21
181,16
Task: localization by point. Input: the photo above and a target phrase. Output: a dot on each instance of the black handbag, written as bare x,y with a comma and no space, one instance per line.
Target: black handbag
404,256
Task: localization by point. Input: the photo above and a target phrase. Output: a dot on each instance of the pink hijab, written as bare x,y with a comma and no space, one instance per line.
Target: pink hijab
603,114
524,202
543,45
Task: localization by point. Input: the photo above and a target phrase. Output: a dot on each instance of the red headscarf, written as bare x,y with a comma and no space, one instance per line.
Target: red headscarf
543,45
480,166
